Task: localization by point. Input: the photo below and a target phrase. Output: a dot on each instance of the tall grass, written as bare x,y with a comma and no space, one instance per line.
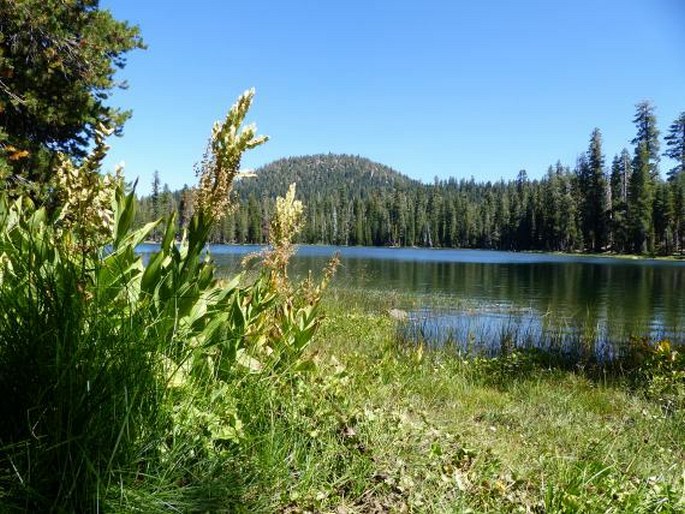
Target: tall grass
124,383
80,384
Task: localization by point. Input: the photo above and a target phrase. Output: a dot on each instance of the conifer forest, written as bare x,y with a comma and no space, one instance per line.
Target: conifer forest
619,204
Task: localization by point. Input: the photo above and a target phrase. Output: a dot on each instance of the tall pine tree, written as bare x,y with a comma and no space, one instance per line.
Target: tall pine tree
675,149
594,195
644,175
156,202
675,146
621,169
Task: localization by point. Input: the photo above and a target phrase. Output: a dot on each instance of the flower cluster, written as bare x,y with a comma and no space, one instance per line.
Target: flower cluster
86,216
287,221
221,163
286,224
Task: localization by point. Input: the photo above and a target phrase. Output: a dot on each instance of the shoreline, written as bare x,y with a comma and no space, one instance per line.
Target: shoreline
605,255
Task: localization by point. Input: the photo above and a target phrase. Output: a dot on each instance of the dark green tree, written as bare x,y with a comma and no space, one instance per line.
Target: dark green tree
621,170
675,146
644,175
641,199
677,185
663,219
675,149
647,136
570,232
559,210
57,65
156,202
254,228
593,188
166,205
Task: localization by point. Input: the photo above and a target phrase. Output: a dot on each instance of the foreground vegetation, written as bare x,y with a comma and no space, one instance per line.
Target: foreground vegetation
385,428
123,381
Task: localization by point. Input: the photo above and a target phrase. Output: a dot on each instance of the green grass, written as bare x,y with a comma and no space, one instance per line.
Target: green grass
161,390
385,428
614,255
125,387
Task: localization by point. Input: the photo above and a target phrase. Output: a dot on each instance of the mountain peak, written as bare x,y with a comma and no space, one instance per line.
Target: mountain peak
322,174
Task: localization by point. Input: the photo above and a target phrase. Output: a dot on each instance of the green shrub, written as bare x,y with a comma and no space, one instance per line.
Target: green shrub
119,377
659,371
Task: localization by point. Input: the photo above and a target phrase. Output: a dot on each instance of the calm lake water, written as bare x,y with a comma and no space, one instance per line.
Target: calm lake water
478,298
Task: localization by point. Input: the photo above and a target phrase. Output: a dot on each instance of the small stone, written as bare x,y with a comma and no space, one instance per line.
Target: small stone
398,314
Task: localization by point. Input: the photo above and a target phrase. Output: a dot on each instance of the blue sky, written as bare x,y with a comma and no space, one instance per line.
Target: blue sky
431,88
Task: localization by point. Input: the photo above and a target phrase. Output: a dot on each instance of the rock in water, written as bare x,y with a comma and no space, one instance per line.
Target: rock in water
398,314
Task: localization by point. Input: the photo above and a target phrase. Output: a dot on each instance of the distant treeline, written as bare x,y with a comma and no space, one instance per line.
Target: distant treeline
625,207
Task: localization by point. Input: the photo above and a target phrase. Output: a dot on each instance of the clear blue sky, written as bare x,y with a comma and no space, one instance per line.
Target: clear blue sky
431,88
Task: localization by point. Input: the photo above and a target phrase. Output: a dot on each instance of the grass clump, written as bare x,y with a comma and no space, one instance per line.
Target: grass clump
126,385
388,427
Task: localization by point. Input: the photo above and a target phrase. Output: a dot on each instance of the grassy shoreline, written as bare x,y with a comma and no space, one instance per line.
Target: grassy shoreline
385,428
610,255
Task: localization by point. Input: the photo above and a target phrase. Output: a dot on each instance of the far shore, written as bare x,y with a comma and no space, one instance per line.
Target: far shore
608,255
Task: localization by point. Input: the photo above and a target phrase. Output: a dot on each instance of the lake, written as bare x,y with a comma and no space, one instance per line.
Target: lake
478,299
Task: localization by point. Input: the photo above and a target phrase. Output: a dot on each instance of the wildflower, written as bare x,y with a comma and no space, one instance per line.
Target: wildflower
221,163
85,195
286,224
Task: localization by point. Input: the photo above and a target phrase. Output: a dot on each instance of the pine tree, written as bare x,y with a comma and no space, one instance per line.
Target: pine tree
155,202
58,62
254,228
647,135
166,201
678,196
621,170
559,210
594,195
644,175
663,218
675,143
641,198
569,209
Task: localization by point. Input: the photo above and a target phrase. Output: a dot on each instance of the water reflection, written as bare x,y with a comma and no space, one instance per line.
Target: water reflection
477,297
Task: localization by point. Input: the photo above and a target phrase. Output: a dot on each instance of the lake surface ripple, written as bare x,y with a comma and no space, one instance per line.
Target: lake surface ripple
482,299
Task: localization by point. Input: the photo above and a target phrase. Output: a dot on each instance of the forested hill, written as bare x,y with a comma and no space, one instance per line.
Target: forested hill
323,175
624,205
